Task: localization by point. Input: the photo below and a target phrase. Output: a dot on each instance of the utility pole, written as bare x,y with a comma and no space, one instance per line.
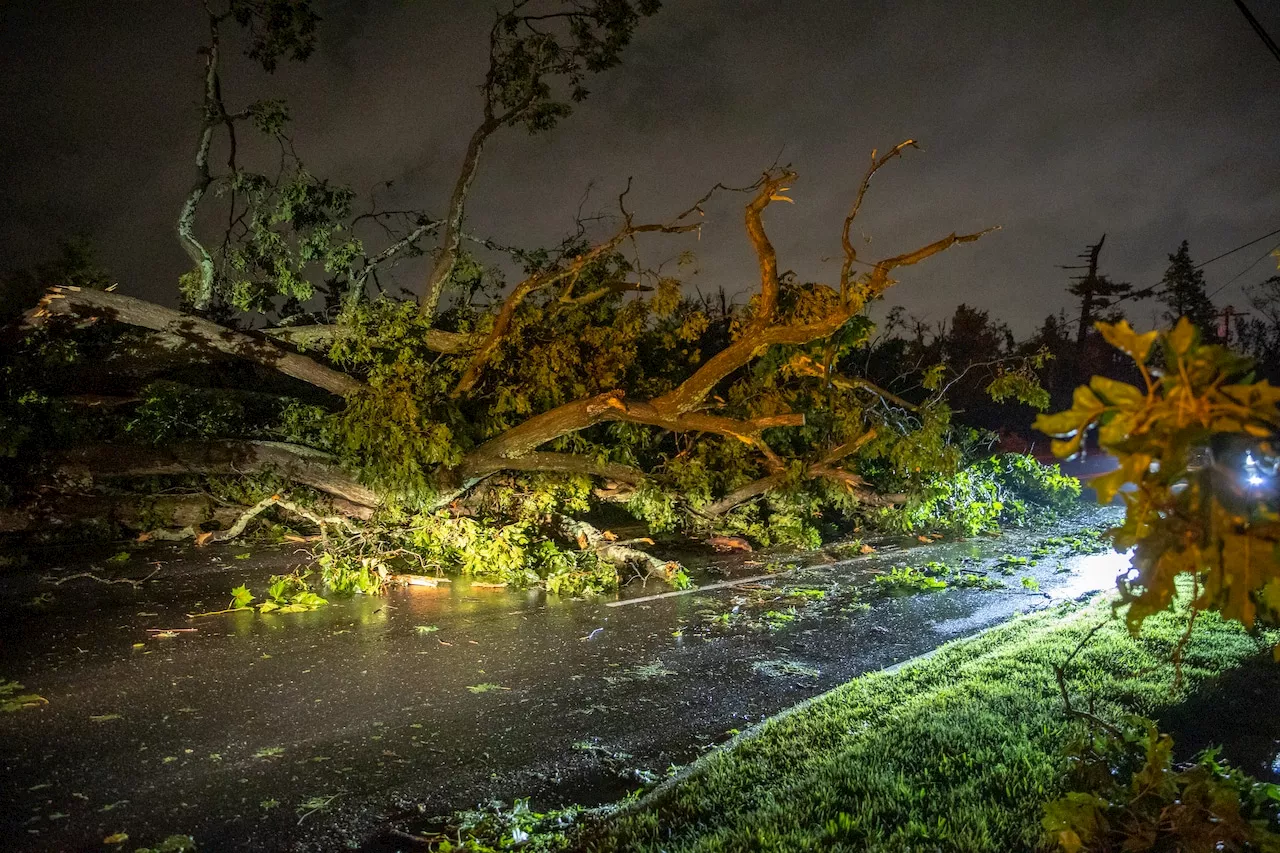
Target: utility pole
1224,318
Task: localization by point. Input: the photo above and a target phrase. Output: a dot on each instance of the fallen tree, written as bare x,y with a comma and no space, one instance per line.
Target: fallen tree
575,376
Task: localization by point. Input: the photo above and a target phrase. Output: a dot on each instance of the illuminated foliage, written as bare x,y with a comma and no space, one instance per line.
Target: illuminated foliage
1197,446
980,498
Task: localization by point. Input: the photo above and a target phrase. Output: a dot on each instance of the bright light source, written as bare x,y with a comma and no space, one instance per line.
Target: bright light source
1255,480
1094,572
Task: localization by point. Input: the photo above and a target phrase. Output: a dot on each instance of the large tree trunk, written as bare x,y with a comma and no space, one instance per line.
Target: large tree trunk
133,512
292,462
201,335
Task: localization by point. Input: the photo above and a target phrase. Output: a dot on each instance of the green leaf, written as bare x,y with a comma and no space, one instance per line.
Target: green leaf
240,597
1117,393
1060,423
1084,401
1183,336
1122,336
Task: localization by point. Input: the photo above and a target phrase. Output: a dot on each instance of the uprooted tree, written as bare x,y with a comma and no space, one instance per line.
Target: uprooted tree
483,415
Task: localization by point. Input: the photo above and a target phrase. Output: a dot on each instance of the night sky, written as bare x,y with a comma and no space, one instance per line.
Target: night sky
1153,122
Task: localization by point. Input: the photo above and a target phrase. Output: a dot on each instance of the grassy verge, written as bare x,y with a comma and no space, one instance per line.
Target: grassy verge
958,752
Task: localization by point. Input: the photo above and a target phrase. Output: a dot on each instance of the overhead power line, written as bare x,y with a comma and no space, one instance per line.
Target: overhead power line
1258,28
1240,274
1238,248
1144,292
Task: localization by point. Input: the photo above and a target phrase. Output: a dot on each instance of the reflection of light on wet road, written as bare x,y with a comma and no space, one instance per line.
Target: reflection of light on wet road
1093,572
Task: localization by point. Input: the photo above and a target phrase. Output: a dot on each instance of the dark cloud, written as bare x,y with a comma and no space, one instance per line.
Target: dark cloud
1153,122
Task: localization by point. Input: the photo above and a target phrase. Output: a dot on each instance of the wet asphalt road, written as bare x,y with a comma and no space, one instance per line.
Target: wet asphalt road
323,730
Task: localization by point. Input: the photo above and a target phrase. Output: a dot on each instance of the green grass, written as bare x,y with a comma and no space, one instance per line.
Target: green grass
958,752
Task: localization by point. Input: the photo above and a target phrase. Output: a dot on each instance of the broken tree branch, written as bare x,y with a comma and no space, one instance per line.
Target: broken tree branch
133,582
675,410
548,278
589,538
195,331
292,462
850,253
262,506
824,467
611,406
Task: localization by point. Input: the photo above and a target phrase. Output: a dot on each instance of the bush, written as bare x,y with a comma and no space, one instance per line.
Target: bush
1131,797
1005,489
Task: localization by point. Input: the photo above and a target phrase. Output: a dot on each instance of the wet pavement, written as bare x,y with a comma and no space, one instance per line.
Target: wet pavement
324,730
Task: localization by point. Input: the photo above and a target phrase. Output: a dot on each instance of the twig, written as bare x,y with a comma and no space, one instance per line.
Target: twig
266,503
220,612
321,807
1181,647
1060,673
416,839
91,576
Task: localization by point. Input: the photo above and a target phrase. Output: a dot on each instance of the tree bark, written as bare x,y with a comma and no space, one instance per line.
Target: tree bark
198,333
447,259
589,538
611,406
133,512
293,462
210,118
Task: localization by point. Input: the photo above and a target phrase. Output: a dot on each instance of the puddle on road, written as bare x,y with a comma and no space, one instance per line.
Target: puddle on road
437,698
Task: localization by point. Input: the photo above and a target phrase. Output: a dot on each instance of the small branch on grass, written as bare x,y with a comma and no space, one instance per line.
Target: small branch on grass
1181,647
1060,674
